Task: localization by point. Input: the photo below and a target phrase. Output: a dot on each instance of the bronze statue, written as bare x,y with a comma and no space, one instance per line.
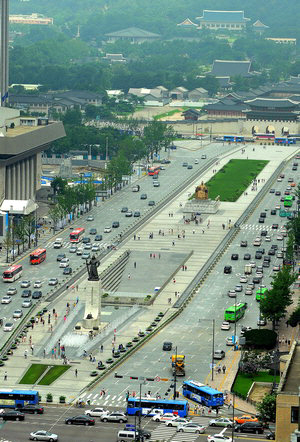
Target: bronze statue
201,192
92,265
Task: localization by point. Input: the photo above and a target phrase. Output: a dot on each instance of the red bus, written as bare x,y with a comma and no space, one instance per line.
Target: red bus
154,170
76,235
12,273
38,256
264,136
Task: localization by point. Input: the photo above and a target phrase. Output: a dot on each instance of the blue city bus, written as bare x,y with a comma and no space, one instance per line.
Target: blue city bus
234,138
151,406
10,398
203,394
285,140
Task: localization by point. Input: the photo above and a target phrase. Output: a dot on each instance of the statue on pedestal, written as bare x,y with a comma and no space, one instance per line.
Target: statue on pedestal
92,266
201,192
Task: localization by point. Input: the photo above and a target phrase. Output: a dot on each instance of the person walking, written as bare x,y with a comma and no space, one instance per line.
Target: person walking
224,369
25,354
76,372
5,375
101,348
134,264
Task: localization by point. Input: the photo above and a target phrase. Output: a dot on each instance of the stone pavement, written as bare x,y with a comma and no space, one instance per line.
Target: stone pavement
202,239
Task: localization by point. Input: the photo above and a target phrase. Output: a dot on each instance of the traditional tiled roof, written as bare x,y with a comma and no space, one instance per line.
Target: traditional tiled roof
187,22
272,103
28,99
230,68
223,16
220,106
133,33
191,111
260,25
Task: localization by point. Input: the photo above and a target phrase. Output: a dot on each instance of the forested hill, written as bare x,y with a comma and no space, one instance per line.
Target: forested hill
96,17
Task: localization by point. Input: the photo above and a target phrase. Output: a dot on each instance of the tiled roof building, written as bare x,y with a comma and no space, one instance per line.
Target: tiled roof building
230,20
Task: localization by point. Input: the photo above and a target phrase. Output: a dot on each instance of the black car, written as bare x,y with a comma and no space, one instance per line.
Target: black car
60,256
277,193
294,168
67,271
270,435
124,209
273,212
227,269
80,420
247,256
267,258
143,196
282,199
167,346
263,215
33,409
244,244
115,224
93,231
26,293
151,203
256,280
37,294
261,220
264,233
258,255
266,264
234,256
86,240
249,427
274,246
271,252
274,226
98,238
12,415
272,190
137,214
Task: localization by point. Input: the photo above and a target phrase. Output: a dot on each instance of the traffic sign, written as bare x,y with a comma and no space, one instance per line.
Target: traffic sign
157,378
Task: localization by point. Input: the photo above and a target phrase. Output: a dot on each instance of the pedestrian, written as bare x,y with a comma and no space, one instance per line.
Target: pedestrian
203,231
230,404
32,325
101,348
139,237
134,264
5,375
193,231
134,237
44,352
65,318
202,411
113,351
217,411
170,300
175,294
185,268
174,280
150,255
224,369
159,256
173,243
52,353
32,348
127,395
76,372
129,276
25,354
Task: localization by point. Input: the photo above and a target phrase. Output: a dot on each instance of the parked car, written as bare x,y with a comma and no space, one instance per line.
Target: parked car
8,326
225,325
219,354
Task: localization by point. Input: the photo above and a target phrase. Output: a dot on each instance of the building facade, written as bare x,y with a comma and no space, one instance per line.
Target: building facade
224,20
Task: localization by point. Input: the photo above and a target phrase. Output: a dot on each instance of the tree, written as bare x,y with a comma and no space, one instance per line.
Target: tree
55,215
273,306
154,136
267,408
72,116
20,232
7,243
29,227
294,319
58,185
91,111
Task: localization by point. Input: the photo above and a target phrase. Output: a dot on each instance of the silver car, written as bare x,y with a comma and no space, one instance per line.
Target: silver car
115,416
43,435
17,314
27,303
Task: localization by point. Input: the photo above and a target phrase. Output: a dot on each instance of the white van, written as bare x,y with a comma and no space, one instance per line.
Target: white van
248,269
136,188
58,243
124,435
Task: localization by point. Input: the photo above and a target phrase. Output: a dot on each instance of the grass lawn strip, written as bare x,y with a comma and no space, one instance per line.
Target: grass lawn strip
234,178
243,382
55,372
33,373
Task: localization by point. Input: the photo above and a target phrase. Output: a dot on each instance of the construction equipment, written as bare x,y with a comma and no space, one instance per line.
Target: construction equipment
178,364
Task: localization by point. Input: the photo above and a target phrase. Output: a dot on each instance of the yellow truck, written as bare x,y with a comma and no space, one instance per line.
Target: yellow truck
178,364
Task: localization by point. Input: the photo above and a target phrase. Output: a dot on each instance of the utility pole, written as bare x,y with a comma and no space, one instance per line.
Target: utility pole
106,149
175,377
213,350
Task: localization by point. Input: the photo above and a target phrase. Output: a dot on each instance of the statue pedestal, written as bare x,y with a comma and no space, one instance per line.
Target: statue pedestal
194,206
92,292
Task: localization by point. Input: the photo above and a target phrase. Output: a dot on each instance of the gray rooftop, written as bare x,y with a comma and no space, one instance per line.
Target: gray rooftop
291,384
223,16
230,68
133,33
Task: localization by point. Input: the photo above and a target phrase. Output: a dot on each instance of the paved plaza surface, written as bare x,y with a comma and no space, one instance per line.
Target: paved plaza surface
192,337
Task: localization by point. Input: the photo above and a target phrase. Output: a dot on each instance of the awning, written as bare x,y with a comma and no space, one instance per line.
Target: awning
18,207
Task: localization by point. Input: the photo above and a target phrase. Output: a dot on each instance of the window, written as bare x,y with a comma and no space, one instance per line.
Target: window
294,415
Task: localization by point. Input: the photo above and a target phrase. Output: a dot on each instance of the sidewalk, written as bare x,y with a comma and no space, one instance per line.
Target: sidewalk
69,384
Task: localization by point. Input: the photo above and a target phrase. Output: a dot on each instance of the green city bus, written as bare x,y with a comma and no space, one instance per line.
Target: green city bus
235,312
260,293
288,201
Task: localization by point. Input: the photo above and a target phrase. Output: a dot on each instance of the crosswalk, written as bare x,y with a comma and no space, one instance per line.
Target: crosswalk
258,227
68,244
162,433
107,400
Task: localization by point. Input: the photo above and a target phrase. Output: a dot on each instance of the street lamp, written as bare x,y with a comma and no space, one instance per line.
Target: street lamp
213,345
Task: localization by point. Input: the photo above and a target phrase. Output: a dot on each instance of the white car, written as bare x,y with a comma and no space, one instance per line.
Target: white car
58,243
229,341
64,262
90,218
176,422
253,264
17,314
190,427
8,326
37,284
268,238
163,417
53,281
6,299
79,251
219,438
107,229
12,291
225,325
259,275
279,237
277,207
73,249
25,284
243,279
27,303
95,248
43,435
97,412
279,179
